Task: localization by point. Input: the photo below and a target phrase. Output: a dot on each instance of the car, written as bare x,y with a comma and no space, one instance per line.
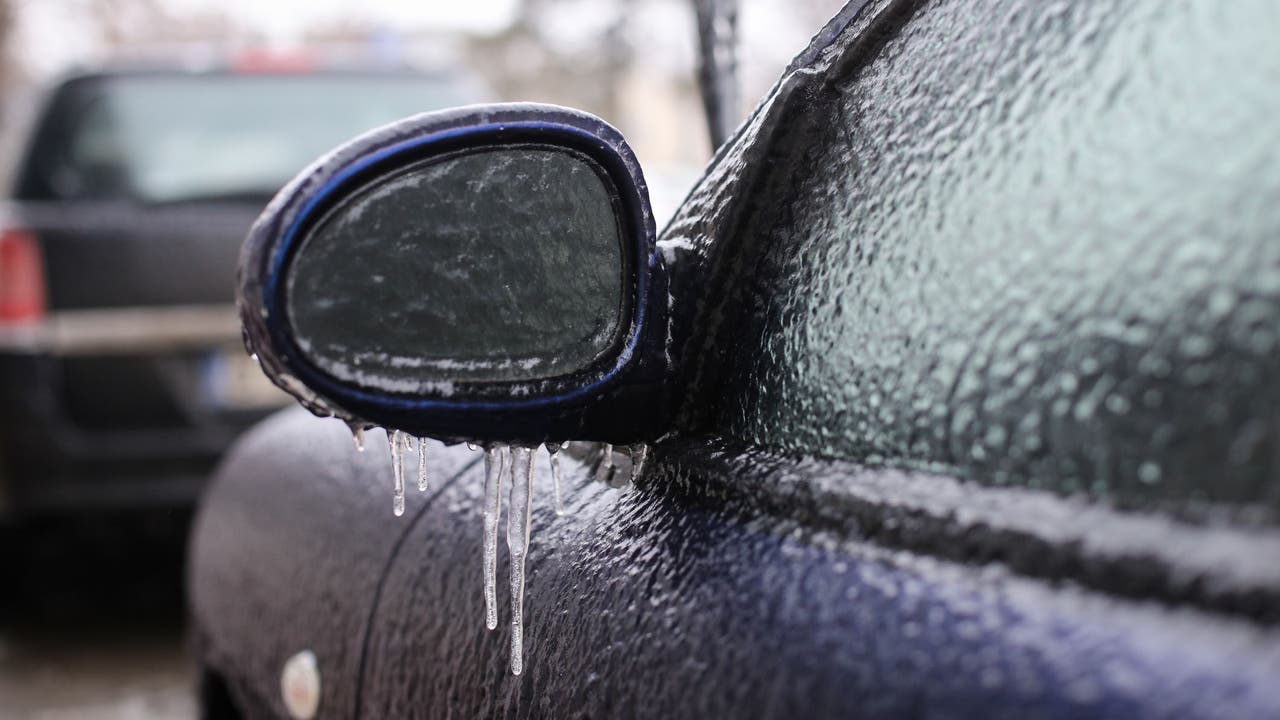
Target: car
121,373
949,391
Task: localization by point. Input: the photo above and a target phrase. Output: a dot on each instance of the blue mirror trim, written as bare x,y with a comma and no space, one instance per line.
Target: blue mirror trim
556,126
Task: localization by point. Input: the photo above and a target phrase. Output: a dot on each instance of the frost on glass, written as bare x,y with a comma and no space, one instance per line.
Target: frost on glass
1050,262
503,264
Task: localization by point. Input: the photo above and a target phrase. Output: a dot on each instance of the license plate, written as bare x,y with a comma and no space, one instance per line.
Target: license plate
231,379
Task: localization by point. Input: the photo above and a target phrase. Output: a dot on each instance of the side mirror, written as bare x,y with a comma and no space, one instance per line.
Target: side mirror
483,273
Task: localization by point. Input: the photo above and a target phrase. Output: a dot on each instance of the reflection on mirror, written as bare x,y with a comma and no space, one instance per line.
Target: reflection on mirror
493,264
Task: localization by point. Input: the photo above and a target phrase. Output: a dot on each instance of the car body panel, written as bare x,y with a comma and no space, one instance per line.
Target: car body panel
649,603
284,566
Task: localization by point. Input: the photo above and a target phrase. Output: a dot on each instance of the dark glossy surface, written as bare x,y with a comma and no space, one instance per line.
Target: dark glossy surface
501,264
1028,245
661,603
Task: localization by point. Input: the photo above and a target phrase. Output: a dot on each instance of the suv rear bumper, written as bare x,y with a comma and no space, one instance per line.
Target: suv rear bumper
115,408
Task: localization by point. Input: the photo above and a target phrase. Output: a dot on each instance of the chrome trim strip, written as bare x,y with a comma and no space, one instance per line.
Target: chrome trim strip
107,331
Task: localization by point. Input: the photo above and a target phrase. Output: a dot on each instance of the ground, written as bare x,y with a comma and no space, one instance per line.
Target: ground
91,622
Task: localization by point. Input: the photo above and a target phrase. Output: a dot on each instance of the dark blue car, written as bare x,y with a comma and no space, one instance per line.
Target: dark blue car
950,391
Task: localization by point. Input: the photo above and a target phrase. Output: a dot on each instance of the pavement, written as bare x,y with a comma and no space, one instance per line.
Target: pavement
107,673
91,621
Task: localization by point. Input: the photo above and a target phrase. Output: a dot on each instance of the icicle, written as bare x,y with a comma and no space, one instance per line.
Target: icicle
422,464
518,506
639,454
396,440
604,468
357,436
553,450
494,458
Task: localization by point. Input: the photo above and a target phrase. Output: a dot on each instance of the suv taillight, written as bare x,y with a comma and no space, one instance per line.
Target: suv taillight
21,278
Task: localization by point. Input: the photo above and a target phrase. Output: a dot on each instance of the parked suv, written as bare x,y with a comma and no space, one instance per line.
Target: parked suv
122,375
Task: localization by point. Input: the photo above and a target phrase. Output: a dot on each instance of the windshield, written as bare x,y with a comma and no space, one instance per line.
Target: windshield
167,138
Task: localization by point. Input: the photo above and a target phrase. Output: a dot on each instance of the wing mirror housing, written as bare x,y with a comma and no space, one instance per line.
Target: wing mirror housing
483,273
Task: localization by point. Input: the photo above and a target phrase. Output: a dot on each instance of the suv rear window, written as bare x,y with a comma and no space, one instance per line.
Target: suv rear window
175,137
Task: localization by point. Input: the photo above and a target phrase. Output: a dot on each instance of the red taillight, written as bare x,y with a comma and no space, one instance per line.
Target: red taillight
267,61
21,278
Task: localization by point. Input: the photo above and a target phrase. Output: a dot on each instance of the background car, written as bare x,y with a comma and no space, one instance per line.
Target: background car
967,411
122,376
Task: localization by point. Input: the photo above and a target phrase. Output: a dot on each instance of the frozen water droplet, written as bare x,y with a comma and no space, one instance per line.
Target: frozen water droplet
639,454
254,357
494,458
357,437
564,445
472,447
519,505
396,440
422,464
553,450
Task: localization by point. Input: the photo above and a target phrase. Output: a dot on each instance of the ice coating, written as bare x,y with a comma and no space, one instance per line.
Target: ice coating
921,290
536,221
519,505
495,457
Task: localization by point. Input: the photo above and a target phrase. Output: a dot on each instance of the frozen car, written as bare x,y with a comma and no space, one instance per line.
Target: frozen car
950,391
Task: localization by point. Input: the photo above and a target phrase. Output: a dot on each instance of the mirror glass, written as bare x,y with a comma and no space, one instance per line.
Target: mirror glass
492,264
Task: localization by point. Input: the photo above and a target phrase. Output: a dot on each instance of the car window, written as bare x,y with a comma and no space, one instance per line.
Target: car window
165,138
993,249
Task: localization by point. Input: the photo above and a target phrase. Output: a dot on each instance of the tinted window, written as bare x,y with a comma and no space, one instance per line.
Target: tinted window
1034,247
161,138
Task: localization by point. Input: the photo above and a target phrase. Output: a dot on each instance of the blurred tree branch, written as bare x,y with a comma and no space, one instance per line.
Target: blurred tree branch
718,66
127,27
